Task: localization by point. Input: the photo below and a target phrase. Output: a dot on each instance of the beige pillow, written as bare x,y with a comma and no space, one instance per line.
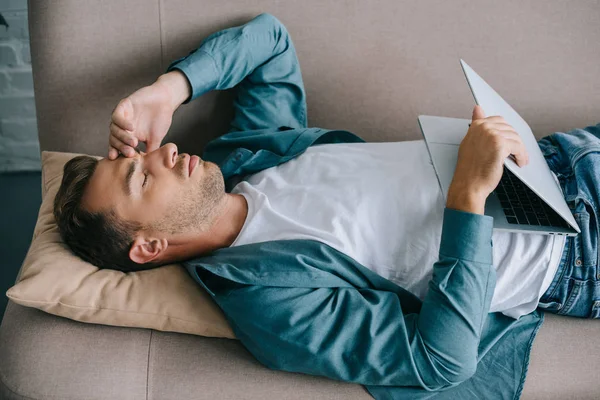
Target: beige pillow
56,281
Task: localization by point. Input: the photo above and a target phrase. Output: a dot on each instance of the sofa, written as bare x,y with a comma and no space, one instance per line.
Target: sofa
368,67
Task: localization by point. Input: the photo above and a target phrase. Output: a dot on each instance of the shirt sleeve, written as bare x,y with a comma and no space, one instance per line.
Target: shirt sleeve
259,57
362,335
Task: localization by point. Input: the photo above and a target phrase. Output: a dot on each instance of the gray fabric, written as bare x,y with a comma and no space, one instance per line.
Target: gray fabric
47,357
193,367
542,57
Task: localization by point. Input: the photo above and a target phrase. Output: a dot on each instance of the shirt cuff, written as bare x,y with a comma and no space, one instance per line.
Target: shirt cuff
200,70
467,236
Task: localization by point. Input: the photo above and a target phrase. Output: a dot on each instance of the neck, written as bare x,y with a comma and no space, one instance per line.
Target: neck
229,222
226,226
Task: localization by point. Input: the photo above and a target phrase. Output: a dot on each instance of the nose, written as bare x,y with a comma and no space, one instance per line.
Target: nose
165,155
169,154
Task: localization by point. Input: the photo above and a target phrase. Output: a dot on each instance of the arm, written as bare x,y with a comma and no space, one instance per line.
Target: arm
259,57
363,335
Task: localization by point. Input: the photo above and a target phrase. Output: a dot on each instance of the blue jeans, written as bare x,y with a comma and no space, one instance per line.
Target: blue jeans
575,159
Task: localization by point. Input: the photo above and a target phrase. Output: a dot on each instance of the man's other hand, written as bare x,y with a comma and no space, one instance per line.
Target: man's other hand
146,115
481,161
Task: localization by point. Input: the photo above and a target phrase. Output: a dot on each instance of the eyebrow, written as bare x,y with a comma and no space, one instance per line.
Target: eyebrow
130,171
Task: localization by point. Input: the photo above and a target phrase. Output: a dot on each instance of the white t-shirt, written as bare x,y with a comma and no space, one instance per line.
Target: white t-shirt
381,204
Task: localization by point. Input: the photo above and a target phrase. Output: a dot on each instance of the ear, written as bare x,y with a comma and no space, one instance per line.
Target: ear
144,250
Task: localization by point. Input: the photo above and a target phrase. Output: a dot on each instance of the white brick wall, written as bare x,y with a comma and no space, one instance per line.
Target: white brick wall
19,146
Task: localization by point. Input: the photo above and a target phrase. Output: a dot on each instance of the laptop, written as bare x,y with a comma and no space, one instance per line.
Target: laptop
528,199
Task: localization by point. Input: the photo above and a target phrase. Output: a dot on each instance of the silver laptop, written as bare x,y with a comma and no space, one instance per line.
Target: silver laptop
528,199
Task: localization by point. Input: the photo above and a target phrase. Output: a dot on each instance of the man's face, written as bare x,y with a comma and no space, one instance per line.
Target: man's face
157,190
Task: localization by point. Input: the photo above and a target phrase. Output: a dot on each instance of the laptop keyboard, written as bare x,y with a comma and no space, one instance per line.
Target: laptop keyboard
522,206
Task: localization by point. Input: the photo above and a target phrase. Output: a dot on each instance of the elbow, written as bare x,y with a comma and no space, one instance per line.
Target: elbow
273,23
269,20
464,374
443,376
451,379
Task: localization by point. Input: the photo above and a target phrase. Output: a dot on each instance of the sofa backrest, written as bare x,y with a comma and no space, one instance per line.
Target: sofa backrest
368,67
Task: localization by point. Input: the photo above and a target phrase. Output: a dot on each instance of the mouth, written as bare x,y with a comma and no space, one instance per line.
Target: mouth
192,163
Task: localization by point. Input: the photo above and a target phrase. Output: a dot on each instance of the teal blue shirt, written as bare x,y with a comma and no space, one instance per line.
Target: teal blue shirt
302,306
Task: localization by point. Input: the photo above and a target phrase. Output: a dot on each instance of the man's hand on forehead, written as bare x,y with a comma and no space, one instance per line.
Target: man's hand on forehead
146,115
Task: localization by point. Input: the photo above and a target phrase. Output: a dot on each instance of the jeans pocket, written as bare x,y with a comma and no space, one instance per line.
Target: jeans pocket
564,301
575,303
595,311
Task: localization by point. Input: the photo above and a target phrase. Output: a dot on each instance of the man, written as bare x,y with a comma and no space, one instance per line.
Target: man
293,230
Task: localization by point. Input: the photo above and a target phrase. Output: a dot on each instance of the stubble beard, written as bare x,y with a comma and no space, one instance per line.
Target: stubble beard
198,206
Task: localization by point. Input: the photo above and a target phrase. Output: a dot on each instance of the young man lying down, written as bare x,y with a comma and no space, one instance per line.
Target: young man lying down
328,255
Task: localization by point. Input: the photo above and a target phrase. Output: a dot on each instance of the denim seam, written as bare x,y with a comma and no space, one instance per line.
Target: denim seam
573,296
582,152
595,210
526,358
555,284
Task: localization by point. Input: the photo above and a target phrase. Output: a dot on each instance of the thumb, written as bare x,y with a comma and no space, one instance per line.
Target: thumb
152,145
478,113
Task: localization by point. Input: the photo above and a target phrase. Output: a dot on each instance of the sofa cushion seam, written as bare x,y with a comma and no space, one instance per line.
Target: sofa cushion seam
3,382
148,365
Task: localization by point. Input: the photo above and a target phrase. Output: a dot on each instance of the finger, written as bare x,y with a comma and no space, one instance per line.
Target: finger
152,145
509,134
496,119
123,114
496,127
126,137
112,153
517,148
477,113
491,125
127,151
116,144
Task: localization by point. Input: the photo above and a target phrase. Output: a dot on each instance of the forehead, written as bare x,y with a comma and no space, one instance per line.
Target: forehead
105,188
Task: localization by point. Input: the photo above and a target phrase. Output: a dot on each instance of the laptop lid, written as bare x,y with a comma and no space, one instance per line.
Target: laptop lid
442,134
536,175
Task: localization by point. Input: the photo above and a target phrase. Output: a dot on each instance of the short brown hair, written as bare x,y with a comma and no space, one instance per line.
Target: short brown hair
100,238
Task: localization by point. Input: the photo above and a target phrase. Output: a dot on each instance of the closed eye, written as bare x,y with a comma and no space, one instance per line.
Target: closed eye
145,180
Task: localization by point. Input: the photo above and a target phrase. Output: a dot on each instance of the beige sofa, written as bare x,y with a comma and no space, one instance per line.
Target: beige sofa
369,67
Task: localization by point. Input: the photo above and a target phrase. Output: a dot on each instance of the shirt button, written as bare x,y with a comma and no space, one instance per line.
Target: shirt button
578,261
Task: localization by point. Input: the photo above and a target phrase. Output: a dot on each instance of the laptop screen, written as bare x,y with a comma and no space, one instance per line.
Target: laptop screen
536,175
